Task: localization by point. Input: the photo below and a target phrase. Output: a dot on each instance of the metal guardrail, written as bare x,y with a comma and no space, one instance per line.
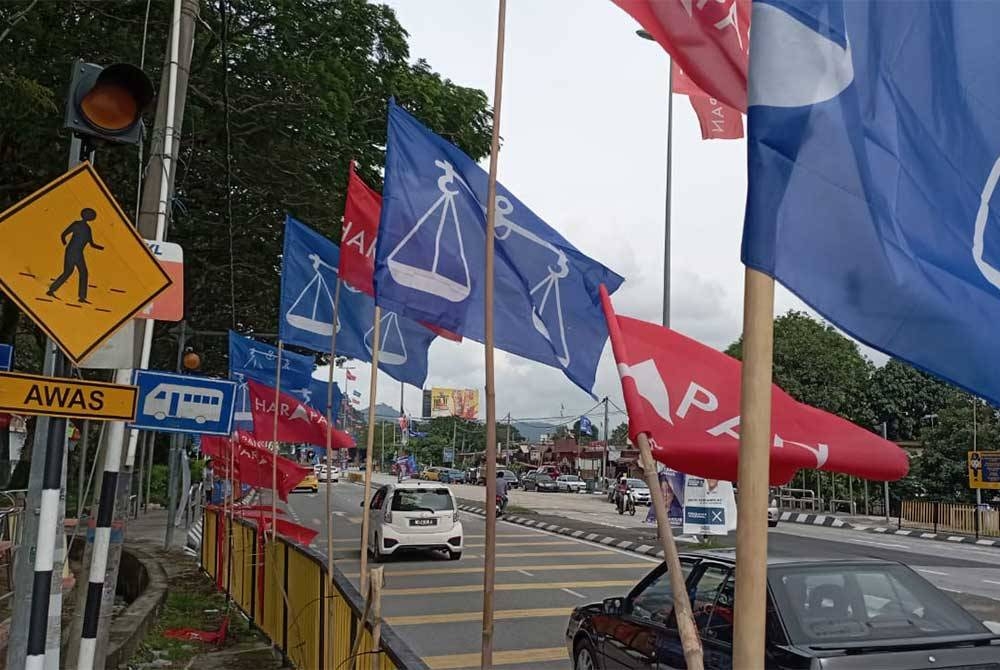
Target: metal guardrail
800,499
849,506
283,587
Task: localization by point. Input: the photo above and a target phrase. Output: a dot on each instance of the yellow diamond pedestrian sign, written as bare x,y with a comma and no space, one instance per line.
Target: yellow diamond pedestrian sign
72,261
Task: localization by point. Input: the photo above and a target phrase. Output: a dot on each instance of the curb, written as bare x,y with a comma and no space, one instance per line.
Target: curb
832,521
607,540
130,628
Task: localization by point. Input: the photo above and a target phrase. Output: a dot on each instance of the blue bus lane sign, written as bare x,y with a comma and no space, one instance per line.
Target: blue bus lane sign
177,403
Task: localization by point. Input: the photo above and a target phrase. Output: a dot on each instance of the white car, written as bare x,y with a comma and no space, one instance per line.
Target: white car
570,483
320,469
415,515
640,492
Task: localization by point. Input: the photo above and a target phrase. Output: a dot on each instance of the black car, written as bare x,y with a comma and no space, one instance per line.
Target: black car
538,481
822,614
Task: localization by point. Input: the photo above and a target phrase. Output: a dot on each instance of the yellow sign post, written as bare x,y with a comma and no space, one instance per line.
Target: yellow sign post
984,469
33,394
72,261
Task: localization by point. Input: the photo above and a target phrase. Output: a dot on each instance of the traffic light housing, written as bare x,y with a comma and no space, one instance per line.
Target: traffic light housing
107,102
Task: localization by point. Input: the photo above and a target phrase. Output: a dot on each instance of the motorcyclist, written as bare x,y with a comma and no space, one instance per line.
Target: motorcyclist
621,490
501,492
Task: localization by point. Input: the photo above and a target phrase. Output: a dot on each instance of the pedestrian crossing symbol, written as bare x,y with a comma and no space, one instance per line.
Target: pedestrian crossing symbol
70,258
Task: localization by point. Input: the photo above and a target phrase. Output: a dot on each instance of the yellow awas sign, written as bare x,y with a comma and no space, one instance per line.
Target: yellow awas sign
984,469
33,394
70,258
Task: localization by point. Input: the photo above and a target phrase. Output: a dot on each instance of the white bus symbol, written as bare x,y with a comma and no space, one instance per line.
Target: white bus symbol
183,402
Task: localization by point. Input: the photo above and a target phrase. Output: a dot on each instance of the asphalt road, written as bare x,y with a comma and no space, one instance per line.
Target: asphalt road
436,604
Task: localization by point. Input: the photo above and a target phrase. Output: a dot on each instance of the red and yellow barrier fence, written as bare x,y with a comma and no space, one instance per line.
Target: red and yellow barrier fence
282,588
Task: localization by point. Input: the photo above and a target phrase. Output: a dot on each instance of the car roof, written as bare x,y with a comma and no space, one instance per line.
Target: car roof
417,484
729,556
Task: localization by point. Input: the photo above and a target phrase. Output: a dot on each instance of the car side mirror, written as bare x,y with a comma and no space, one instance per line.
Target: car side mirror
613,606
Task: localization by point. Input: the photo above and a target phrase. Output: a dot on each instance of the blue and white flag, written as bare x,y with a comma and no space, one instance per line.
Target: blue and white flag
430,258
874,156
585,425
250,359
308,282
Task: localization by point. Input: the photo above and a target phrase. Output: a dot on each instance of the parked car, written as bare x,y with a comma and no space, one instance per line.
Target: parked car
550,470
829,614
570,484
539,481
415,515
432,474
509,475
451,476
321,473
640,492
308,483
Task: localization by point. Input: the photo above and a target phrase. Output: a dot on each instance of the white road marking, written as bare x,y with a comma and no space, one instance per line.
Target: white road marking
990,581
631,554
931,572
880,544
573,593
526,573
317,521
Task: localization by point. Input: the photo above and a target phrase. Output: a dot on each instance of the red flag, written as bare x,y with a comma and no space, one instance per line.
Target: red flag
717,120
256,464
350,377
357,241
709,40
686,397
297,421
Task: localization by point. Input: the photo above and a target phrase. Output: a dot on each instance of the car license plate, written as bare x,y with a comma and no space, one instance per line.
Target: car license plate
423,522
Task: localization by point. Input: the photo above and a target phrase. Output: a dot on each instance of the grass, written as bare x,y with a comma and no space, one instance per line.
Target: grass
192,602
517,509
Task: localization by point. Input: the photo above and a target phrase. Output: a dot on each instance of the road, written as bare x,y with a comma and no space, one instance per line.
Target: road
436,604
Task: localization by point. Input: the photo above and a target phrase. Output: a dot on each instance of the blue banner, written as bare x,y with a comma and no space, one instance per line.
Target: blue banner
308,284
6,356
430,258
874,157
250,359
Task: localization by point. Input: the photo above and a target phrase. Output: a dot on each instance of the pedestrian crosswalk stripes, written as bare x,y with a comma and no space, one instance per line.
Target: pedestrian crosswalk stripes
529,544
515,657
477,615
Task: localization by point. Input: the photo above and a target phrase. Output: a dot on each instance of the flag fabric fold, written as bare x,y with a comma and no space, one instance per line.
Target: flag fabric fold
708,40
308,279
253,462
874,157
685,397
717,120
429,258
297,421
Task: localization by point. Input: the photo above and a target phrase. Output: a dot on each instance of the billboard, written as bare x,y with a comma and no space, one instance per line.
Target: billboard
455,402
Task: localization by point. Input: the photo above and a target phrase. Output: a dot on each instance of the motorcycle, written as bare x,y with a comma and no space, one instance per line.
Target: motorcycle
501,505
626,503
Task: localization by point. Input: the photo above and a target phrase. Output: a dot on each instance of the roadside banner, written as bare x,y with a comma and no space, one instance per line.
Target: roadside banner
709,507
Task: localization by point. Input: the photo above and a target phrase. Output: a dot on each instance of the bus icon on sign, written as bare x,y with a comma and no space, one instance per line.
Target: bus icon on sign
174,401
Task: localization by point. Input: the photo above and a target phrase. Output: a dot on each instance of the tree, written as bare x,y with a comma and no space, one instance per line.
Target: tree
619,436
818,366
560,433
902,396
302,91
585,438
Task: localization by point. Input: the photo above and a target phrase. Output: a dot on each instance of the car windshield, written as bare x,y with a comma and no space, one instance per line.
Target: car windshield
422,500
637,484
833,604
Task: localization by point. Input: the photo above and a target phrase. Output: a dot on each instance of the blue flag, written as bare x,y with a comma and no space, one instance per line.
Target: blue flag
874,156
308,281
430,258
250,359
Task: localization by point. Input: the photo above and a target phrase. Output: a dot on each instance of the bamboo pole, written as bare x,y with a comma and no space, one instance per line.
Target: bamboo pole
489,570
690,642
754,470
369,446
328,633
274,457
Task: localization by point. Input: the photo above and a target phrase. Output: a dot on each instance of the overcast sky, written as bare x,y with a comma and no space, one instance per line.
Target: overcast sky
583,122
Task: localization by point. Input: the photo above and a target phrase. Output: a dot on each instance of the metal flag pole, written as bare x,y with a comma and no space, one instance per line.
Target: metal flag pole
489,570
274,456
666,222
328,633
369,446
754,470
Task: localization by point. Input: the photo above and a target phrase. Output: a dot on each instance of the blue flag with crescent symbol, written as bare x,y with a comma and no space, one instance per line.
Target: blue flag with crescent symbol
430,258
874,156
250,359
308,284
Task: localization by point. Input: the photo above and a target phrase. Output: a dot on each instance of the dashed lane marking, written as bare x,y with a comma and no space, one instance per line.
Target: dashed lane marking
458,617
574,593
477,588
510,568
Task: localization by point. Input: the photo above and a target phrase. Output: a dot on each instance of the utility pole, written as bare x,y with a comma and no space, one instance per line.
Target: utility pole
607,440
885,429
508,439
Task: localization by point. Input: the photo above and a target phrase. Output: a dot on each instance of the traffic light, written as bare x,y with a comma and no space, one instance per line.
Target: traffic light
107,102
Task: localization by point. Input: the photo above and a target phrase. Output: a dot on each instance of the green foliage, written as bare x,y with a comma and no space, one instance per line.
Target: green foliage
158,484
619,436
901,396
466,436
308,85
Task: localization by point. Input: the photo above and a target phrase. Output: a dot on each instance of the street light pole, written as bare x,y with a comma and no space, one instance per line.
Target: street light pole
885,430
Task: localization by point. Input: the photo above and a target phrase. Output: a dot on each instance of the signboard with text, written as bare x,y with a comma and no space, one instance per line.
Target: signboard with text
984,469
50,396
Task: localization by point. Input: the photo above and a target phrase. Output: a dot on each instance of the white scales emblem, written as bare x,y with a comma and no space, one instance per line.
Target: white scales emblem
444,215
393,348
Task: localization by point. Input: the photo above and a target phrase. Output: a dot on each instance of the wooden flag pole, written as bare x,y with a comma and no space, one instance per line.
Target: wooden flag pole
274,456
369,447
690,642
329,468
754,470
489,570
